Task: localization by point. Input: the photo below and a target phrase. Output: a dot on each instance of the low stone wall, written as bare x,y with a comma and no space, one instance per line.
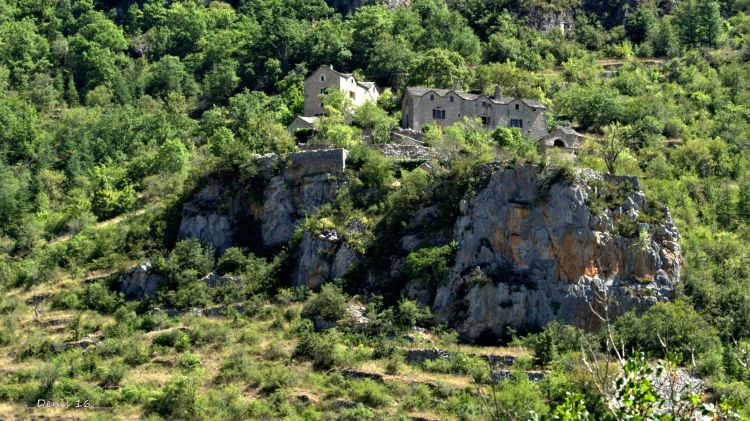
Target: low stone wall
322,161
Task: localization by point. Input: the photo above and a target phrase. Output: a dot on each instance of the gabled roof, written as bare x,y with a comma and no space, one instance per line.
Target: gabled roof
309,120
365,84
420,91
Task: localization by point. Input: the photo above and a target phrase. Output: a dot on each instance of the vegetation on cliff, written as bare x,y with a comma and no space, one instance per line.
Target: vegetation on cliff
112,112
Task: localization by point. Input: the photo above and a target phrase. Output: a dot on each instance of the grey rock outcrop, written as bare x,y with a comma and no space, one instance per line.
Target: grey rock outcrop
139,282
206,218
289,187
322,257
528,255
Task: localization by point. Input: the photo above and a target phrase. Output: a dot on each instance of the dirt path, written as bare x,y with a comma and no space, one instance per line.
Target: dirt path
102,224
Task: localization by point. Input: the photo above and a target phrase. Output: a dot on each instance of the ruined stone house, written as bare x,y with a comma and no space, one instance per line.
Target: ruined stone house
326,78
444,107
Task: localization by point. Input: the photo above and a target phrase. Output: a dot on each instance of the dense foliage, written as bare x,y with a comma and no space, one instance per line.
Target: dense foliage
112,112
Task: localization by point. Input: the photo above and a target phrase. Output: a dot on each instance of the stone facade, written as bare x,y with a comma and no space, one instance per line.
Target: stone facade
326,78
422,106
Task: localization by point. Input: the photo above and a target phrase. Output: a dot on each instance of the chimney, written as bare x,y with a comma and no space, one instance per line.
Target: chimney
330,66
456,85
497,92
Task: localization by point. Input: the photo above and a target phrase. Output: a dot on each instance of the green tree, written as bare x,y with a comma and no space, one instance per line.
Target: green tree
699,22
613,144
439,68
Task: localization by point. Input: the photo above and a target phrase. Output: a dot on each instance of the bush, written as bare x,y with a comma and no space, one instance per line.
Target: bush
321,348
329,303
175,338
460,363
429,265
190,362
189,255
233,261
554,340
370,393
99,298
114,375
178,400
411,314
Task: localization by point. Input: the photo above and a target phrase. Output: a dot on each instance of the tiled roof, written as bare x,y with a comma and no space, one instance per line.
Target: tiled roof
419,91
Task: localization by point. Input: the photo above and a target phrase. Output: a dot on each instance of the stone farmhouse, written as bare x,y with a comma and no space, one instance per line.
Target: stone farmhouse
326,78
444,107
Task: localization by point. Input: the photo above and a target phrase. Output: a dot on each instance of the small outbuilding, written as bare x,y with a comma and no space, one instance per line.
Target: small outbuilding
563,137
302,128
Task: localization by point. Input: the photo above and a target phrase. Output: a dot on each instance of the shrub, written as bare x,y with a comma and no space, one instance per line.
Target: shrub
190,362
189,255
233,261
321,348
429,265
329,303
113,375
97,297
178,400
411,314
555,339
370,393
175,338
460,363
394,363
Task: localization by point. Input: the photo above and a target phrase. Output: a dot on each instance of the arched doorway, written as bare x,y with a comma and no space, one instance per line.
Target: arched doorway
559,143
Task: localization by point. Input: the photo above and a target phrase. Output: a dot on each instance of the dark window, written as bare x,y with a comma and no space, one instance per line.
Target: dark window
322,78
486,121
322,91
484,104
516,123
451,99
559,143
518,107
432,97
352,95
438,114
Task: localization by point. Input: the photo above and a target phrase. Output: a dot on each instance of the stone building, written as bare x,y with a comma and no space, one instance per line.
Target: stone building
563,137
326,78
422,106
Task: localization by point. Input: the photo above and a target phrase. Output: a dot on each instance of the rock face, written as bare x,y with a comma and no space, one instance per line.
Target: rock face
303,182
139,281
322,257
528,255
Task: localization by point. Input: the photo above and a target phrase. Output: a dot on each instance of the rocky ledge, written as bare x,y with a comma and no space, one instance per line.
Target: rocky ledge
535,247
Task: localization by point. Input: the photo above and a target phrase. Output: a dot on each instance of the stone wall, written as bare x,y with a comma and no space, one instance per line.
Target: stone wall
321,161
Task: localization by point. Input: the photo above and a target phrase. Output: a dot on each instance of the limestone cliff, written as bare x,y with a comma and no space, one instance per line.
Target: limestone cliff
531,250
287,188
532,245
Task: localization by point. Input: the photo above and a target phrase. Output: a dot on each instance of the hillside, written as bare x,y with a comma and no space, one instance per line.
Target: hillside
423,209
